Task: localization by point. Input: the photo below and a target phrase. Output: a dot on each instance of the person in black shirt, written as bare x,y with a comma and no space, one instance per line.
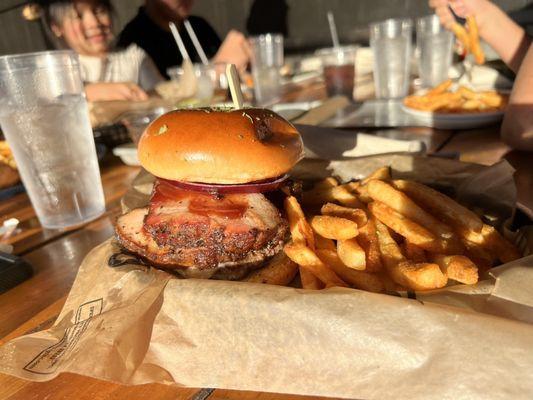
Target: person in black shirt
149,30
268,16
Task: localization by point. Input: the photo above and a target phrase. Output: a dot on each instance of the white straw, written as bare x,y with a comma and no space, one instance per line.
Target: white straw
196,42
234,84
178,40
333,30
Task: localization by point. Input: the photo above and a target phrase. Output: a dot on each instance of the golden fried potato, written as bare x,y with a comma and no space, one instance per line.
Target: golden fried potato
351,254
358,279
306,258
334,227
356,215
280,270
459,268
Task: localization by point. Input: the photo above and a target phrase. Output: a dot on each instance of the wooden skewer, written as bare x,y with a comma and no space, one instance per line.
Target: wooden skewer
234,86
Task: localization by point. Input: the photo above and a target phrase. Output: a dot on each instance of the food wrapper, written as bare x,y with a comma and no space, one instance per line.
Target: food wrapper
126,322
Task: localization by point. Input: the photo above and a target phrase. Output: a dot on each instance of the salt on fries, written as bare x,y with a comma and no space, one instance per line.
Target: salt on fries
400,235
441,99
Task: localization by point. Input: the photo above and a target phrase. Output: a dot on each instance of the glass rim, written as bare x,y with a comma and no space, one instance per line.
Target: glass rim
4,60
408,21
266,37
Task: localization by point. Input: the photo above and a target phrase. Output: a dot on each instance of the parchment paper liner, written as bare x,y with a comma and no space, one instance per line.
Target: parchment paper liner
134,325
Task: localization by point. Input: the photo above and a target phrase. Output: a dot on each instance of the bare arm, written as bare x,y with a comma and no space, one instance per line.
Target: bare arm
517,128
506,37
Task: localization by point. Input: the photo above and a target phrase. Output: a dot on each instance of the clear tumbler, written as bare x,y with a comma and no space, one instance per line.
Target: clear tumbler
391,43
435,45
45,119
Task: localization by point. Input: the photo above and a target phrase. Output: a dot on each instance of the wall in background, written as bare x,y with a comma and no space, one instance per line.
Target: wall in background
307,19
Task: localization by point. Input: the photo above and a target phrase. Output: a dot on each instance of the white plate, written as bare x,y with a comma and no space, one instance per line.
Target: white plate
455,121
127,153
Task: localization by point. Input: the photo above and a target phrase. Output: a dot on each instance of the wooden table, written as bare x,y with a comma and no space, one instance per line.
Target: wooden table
56,256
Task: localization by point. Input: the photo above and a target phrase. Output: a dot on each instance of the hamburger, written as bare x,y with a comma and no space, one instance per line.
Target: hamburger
209,215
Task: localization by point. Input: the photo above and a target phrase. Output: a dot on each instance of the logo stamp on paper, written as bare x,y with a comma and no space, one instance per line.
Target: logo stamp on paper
46,362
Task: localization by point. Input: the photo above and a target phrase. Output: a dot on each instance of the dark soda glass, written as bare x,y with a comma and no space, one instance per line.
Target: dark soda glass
339,79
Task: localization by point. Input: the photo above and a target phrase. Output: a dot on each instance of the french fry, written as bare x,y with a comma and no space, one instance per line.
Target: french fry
473,104
309,281
459,268
462,35
356,215
440,88
400,202
475,47
413,252
422,276
492,99
382,173
351,254
467,93
280,270
340,194
368,240
411,230
326,183
323,243
490,239
334,227
306,258
359,279
301,231
440,205
362,192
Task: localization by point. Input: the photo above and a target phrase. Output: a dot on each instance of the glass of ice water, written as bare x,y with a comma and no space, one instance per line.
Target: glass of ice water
391,44
435,47
45,119
267,59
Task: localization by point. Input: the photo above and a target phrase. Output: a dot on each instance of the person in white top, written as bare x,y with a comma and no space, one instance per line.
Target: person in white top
85,27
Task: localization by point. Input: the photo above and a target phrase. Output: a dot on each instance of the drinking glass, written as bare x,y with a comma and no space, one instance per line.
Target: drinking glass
45,119
267,59
435,45
338,65
391,43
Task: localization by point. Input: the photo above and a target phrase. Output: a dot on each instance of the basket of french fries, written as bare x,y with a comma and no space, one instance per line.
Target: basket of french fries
318,319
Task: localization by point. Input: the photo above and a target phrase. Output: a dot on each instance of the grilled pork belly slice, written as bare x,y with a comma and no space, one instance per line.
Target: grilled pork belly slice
205,242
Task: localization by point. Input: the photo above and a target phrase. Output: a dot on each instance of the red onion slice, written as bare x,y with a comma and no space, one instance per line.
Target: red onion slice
213,188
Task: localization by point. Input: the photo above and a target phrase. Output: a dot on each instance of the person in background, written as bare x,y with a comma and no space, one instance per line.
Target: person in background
268,16
514,47
85,27
149,30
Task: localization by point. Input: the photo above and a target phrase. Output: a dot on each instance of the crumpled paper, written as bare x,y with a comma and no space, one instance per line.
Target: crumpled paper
129,323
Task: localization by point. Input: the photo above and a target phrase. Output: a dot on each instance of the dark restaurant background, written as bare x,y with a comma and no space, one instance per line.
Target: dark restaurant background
307,22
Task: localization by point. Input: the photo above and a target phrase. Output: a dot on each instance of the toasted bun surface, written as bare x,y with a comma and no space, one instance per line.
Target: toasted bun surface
226,147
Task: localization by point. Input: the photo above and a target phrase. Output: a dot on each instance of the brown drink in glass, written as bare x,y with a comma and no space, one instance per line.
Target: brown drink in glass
339,70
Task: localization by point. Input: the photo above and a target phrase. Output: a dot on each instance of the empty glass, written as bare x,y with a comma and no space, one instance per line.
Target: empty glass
45,118
391,43
435,46
267,59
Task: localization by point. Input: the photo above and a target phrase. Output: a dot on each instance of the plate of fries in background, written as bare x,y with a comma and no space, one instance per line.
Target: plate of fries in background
387,235
460,107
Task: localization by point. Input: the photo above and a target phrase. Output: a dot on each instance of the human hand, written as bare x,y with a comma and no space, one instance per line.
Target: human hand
102,91
462,8
234,50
